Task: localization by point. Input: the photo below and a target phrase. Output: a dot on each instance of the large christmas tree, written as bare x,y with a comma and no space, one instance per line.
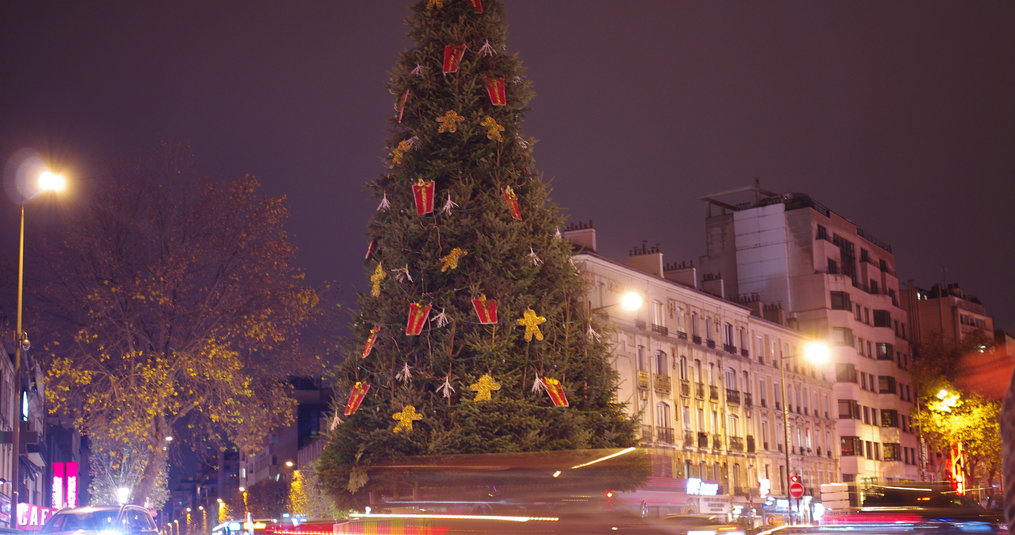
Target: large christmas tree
474,336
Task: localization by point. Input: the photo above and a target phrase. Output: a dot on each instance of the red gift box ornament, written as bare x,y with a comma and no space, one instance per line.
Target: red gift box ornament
453,57
417,317
486,309
477,5
512,200
556,391
371,339
359,391
495,88
423,194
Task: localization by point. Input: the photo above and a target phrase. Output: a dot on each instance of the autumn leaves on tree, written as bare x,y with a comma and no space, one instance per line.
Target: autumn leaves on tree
473,337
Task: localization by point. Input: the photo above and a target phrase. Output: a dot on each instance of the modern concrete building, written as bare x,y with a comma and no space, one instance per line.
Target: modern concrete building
702,373
836,282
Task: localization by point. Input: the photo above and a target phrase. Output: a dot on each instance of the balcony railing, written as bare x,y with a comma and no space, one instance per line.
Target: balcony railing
685,388
736,443
710,344
682,335
646,433
699,390
643,379
640,324
696,339
744,352
748,399
717,443
750,444
662,383
729,348
688,438
659,329
664,434
713,392
732,396
702,440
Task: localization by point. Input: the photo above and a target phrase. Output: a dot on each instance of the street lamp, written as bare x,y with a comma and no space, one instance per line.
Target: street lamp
47,181
815,353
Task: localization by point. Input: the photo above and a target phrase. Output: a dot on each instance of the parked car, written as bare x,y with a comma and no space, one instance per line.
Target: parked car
105,519
914,508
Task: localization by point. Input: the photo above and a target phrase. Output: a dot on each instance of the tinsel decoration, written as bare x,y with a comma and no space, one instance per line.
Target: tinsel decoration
521,141
405,374
487,50
534,258
512,199
483,387
418,314
440,320
448,205
402,273
396,155
422,193
537,385
555,391
405,417
418,70
335,422
375,280
359,391
531,321
493,129
449,122
453,57
486,309
445,389
593,335
557,234
371,340
385,204
450,260
495,88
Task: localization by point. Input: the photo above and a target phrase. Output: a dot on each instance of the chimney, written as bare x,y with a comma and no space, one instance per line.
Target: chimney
683,273
712,283
646,259
752,302
581,235
775,313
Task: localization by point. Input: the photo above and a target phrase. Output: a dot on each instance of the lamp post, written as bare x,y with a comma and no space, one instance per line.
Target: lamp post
47,181
816,353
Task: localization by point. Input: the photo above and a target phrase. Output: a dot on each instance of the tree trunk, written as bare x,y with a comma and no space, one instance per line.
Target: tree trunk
150,476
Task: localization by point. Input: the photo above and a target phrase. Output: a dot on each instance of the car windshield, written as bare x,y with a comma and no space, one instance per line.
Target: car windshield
82,520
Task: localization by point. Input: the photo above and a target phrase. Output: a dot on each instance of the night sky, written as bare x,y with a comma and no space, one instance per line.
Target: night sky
899,115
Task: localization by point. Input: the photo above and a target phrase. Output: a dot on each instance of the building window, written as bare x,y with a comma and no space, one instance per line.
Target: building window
683,367
840,301
687,417
661,367
731,379
889,418
663,415
885,351
734,430
850,446
659,317
845,373
842,336
886,384
642,365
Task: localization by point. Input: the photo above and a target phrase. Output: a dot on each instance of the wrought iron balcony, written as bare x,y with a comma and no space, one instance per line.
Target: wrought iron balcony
729,348
732,396
662,383
748,399
664,434
736,444
688,438
699,390
713,392
750,444
696,339
710,344
685,388
682,335
717,443
659,329
646,434
702,440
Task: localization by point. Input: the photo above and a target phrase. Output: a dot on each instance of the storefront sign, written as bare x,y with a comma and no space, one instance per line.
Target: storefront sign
32,517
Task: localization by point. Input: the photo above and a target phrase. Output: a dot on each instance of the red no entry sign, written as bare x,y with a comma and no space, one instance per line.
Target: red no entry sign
796,490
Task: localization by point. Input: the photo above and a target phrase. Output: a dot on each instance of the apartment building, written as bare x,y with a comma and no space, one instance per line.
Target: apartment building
836,282
702,373
945,312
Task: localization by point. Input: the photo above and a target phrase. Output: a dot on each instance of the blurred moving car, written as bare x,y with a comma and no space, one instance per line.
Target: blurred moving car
688,524
105,519
921,509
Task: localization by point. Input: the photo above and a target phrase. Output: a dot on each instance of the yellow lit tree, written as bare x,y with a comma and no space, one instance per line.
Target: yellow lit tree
173,308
